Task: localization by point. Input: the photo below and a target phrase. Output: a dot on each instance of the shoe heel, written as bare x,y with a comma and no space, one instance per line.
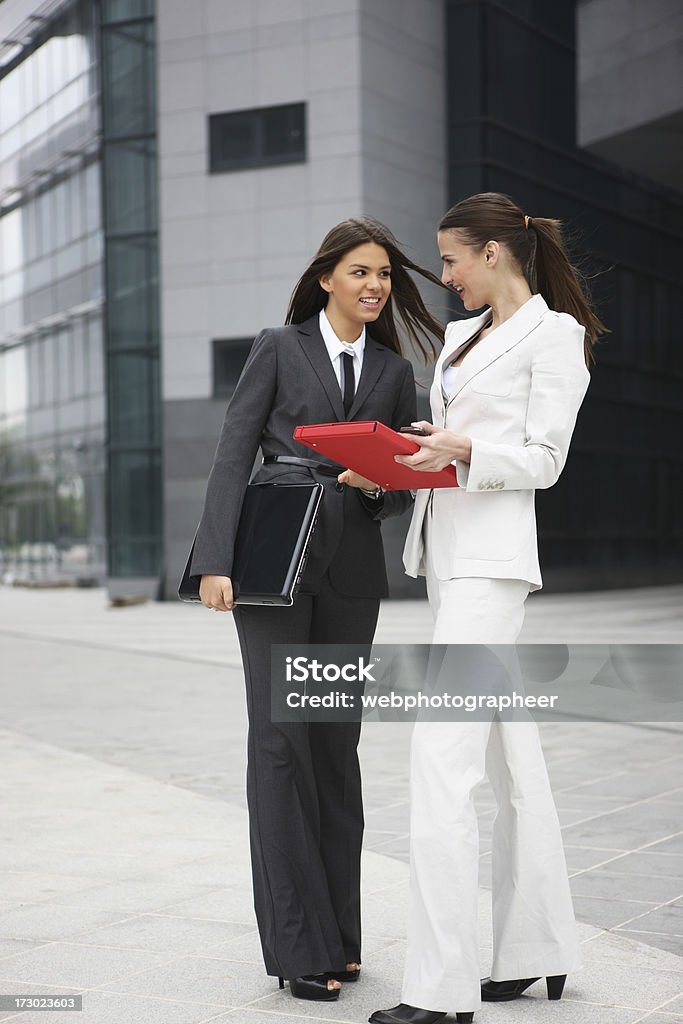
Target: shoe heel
281,982
465,1018
555,985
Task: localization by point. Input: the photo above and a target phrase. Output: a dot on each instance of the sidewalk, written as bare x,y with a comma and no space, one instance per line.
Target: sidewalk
124,861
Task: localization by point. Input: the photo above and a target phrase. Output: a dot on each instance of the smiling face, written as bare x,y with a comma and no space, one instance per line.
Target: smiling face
358,289
466,269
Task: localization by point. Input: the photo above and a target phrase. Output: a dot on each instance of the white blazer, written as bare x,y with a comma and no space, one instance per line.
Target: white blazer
517,395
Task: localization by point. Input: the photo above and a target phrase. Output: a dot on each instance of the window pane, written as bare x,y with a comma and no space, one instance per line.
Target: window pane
131,203
120,10
257,138
229,356
133,407
284,131
135,513
131,297
128,67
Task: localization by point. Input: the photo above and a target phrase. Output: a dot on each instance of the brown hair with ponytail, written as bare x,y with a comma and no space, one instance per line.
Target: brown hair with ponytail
308,297
537,246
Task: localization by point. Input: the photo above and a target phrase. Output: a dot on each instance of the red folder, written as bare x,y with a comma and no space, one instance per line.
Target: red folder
368,447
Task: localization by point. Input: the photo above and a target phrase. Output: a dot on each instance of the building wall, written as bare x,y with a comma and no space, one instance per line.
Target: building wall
52,415
630,85
234,244
614,518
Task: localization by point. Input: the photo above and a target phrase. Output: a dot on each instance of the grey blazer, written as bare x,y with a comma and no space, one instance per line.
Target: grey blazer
287,380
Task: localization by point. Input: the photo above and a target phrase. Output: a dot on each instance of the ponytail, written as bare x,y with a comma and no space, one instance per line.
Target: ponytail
551,273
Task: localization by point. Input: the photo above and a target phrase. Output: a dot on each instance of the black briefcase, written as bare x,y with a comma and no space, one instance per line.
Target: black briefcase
272,543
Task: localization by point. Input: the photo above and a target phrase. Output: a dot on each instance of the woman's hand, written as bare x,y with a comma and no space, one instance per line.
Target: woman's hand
438,450
354,479
216,593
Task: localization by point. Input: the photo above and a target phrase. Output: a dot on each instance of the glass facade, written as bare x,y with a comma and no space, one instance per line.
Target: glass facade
129,165
615,515
52,415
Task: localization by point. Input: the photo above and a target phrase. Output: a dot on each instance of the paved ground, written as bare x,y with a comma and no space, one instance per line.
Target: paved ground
123,858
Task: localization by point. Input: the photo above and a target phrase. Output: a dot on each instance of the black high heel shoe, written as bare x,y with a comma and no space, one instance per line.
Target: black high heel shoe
405,1014
311,986
344,975
503,991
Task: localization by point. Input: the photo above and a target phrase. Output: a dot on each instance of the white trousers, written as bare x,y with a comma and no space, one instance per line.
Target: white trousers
534,931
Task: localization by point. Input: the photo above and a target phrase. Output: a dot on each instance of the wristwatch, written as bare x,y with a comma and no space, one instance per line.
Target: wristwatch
373,494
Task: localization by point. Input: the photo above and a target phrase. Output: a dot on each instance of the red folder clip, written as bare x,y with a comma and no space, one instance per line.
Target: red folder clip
368,447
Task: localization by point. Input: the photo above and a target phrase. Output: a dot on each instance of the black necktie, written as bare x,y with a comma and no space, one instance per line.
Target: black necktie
349,382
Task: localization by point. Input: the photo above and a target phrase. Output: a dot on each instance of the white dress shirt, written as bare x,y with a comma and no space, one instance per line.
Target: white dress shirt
336,348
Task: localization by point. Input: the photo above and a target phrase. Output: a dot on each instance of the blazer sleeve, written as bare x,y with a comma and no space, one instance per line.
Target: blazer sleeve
559,380
395,503
245,419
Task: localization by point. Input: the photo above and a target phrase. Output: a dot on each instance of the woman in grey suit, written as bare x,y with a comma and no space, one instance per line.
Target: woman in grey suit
337,358
507,390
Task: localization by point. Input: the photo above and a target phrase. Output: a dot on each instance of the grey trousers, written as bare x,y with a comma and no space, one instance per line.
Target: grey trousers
304,794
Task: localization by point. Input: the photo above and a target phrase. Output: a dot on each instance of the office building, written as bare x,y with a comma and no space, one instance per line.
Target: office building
168,169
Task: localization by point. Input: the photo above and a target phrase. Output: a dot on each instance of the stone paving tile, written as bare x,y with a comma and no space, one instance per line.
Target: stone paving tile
672,797
665,865
53,921
77,966
608,913
570,1011
674,845
193,979
605,884
674,1006
385,913
629,952
215,870
626,829
661,1018
613,983
165,934
581,858
135,896
36,858
8,947
234,904
669,943
245,949
34,886
112,1008
634,785
668,920
250,1015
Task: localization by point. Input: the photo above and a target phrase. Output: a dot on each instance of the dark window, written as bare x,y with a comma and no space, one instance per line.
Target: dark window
257,138
229,356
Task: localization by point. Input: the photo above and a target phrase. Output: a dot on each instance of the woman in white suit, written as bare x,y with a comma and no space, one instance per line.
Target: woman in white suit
507,389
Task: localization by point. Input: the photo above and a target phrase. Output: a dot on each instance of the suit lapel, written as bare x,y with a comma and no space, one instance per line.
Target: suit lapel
498,342
374,360
311,340
459,334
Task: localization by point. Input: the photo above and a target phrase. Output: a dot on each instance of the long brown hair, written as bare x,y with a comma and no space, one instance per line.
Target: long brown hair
405,301
537,246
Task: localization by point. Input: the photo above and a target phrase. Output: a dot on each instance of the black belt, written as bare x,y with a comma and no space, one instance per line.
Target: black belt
293,460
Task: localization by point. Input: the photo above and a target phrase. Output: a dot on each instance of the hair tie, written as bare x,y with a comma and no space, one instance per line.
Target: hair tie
527,222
